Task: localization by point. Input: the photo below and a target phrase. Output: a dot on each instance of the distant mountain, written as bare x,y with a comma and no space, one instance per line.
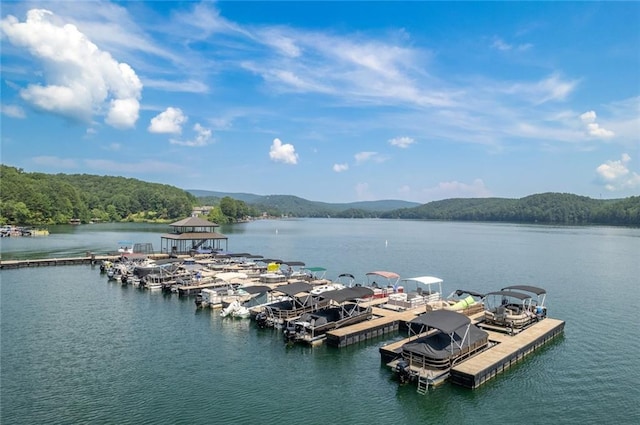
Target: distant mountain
296,206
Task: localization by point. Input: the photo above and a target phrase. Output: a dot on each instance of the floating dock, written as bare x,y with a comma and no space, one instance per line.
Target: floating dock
386,322
505,351
90,258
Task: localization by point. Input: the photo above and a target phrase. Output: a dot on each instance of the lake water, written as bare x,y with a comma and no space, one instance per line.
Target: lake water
76,348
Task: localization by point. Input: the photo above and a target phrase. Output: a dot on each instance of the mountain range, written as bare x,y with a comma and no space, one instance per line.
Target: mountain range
290,204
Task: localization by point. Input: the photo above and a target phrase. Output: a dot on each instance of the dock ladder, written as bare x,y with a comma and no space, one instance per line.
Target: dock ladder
423,382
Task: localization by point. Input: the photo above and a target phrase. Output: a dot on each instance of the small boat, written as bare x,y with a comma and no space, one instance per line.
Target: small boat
235,309
344,309
428,292
443,339
297,301
464,301
390,283
513,308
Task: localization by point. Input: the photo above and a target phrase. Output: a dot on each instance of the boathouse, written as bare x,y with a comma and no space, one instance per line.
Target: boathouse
193,234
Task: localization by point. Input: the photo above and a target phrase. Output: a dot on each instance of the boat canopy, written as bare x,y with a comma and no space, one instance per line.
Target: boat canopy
240,254
227,276
347,294
316,269
459,292
349,275
386,275
426,280
270,260
294,263
526,288
256,289
294,288
518,295
444,320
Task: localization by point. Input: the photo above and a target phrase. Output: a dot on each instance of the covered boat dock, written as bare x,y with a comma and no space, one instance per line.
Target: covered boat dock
193,235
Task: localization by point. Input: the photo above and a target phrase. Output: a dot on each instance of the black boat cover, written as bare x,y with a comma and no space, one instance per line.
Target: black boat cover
347,294
294,263
446,321
440,345
527,288
256,289
294,288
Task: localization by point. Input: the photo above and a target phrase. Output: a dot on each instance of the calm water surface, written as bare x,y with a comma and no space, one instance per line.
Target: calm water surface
76,348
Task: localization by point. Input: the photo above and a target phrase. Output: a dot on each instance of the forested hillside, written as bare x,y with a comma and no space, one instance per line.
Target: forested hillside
547,208
37,198
294,206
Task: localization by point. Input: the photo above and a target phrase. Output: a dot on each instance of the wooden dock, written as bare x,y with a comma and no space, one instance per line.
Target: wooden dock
89,259
385,322
507,351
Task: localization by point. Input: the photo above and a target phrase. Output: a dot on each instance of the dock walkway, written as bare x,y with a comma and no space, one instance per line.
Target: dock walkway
508,350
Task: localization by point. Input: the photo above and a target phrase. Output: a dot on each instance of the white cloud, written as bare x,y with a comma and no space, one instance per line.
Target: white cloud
338,168
170,121
55,162
82,79
203,137
362,157
593,129
122,167
402,142
285,153
616,174
13,111
456,189
500,44
362,192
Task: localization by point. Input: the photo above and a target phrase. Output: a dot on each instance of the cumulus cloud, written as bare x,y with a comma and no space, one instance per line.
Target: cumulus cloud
362,192
82,80
202,138
170,121
500,44
616,174
338,168
456,189
593,129
362,157
54,161
402,142
13,111
285,153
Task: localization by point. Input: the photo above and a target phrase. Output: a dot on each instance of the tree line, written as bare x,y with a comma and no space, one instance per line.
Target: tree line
544,208
43,199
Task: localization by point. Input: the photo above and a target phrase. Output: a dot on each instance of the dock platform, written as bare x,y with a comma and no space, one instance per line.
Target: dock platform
89,259
386,322
507,351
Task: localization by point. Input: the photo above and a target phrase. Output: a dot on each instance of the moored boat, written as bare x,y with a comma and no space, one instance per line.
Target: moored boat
443,338
343,309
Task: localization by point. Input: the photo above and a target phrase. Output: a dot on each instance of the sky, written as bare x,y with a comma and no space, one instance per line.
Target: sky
329,101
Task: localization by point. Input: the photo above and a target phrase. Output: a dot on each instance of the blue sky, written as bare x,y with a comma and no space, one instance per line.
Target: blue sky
329,101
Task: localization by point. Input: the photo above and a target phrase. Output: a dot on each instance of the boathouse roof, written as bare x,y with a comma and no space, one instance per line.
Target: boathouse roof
194,236
193,222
